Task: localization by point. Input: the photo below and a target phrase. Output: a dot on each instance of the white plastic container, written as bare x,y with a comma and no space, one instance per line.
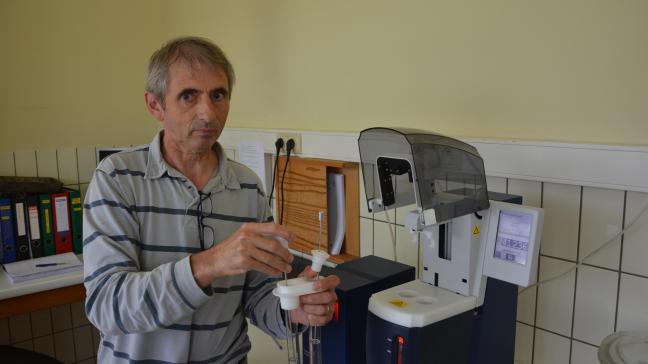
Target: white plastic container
624,347
289,291
318,260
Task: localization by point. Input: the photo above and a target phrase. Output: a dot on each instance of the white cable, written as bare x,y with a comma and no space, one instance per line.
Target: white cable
320,218
391,232
580,262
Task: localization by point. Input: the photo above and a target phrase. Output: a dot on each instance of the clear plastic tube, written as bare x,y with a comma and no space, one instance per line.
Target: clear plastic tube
315,332
292,341
312,352
315,345
292,336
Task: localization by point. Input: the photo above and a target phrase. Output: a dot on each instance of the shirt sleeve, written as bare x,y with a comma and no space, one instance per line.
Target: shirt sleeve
261,306
120,298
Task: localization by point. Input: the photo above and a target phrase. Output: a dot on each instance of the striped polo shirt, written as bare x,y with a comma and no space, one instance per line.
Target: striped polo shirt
140,225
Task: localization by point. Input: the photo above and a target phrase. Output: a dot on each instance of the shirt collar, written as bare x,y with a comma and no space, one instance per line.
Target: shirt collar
224,177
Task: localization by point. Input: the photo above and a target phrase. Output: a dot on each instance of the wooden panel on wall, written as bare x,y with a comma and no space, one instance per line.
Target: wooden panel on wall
305,195
41,300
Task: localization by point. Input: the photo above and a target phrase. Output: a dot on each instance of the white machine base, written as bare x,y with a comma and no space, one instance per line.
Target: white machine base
418,304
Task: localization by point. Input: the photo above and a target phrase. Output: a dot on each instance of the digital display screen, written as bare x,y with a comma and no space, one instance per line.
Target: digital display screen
513,234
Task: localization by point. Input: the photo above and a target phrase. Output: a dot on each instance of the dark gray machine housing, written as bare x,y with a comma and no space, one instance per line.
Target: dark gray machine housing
344,338
403,166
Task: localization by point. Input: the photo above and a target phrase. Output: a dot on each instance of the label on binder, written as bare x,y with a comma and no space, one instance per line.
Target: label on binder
20,219
33,222
48,227
62,222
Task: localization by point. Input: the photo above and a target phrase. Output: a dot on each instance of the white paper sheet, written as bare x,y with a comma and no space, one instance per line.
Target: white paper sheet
31,269
251,154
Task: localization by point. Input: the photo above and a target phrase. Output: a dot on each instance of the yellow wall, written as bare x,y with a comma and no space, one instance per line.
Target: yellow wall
71,72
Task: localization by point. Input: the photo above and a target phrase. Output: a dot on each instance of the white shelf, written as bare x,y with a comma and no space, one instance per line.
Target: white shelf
9,290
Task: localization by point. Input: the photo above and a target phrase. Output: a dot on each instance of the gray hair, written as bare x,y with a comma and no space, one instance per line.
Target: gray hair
191,50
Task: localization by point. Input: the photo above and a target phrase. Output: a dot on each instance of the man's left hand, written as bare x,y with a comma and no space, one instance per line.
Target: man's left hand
317,309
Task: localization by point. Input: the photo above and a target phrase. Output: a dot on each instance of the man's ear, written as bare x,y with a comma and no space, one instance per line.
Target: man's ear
154,106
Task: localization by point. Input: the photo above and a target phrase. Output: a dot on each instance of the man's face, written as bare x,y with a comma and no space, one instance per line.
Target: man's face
195,108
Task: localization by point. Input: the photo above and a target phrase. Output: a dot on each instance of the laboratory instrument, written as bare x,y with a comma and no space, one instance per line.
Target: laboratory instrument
470,244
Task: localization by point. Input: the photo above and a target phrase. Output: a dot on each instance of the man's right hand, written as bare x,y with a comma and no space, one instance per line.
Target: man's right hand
251,247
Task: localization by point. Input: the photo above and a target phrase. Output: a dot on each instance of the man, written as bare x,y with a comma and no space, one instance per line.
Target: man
178,247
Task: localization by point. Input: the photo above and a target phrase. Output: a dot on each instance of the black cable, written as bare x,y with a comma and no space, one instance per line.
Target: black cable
290,145
279,143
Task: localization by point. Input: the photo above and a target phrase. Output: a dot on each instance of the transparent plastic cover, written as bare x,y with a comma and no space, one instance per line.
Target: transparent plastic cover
404,166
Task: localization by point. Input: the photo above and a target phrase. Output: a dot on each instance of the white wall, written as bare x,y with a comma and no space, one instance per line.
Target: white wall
553,70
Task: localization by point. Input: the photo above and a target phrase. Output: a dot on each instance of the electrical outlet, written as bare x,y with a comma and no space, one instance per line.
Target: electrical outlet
296,138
